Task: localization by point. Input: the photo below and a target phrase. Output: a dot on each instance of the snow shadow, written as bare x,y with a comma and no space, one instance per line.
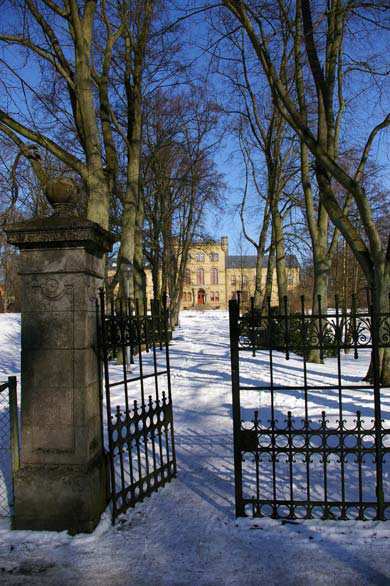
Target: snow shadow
205,466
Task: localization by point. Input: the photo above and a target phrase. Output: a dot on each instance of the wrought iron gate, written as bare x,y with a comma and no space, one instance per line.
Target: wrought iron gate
138,424
293,458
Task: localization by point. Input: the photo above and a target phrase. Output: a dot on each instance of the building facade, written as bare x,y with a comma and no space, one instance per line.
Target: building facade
213,277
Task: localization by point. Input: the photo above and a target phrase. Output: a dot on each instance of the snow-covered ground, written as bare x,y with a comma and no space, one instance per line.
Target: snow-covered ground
187,533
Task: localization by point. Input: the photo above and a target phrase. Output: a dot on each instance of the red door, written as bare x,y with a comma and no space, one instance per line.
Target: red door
201,297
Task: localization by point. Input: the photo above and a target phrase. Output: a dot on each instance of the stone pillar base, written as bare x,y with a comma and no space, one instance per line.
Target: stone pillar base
58,498
62,483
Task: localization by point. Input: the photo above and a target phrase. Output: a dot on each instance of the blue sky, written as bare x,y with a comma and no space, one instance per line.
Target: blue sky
368,107
228,159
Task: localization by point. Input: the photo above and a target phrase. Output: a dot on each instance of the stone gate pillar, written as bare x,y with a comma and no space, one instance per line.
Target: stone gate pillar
61,483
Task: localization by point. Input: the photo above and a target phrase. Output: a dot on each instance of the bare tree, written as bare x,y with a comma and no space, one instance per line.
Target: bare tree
59,38
181,182
320,60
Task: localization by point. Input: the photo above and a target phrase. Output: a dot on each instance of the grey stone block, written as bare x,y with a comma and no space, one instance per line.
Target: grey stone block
61,267
58,498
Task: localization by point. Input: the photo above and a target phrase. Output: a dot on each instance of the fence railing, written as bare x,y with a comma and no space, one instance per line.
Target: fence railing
9,444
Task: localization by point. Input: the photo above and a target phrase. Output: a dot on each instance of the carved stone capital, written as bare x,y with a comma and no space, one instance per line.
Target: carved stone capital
60,232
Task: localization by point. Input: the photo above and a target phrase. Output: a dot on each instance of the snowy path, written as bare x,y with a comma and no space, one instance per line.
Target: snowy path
186,534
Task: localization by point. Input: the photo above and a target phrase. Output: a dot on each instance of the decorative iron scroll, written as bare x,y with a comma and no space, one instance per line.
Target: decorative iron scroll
140,433
322,332
306,465
297,444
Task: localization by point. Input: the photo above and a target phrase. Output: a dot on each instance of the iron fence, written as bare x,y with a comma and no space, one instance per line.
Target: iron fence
9,444
137,387
313,443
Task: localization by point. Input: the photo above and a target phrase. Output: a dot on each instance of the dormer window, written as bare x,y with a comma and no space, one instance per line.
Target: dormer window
214,256
200,257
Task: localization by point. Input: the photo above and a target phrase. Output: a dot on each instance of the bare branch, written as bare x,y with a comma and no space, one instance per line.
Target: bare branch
45,142
366,151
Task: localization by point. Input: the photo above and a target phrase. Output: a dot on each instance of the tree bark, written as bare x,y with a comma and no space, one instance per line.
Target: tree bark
139,272
280,259
260,257
270,277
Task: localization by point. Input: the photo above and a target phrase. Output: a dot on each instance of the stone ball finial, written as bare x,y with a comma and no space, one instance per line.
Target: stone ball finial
61,193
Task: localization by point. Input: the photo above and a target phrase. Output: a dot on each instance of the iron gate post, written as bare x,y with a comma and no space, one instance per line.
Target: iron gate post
234,358
61,481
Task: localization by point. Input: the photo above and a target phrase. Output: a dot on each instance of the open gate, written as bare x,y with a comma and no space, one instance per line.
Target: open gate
138,418
310,441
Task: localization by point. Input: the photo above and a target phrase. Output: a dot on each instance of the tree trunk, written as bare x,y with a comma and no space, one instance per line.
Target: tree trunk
380,287
174,311
156,278
260,257
281,270
382,302
139,272
270,277
98,199
385,368
258,281
321,267
126,257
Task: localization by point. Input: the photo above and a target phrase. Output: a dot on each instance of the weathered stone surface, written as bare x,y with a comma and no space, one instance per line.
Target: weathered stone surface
61,268
72,260
57,231
69,499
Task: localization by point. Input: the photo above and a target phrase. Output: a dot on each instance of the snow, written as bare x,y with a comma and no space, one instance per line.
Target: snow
9,344
186,533
9,365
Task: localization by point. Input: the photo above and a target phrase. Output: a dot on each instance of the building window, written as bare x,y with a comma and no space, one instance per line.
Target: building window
214,297
200,277
200,257
244,296
244,281
214,256
290,279
187,277
233,281
214,276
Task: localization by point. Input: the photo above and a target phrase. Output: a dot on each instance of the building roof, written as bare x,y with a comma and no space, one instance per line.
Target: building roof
249,261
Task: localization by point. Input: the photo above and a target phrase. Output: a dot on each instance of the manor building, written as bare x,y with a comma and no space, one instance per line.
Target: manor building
213,277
